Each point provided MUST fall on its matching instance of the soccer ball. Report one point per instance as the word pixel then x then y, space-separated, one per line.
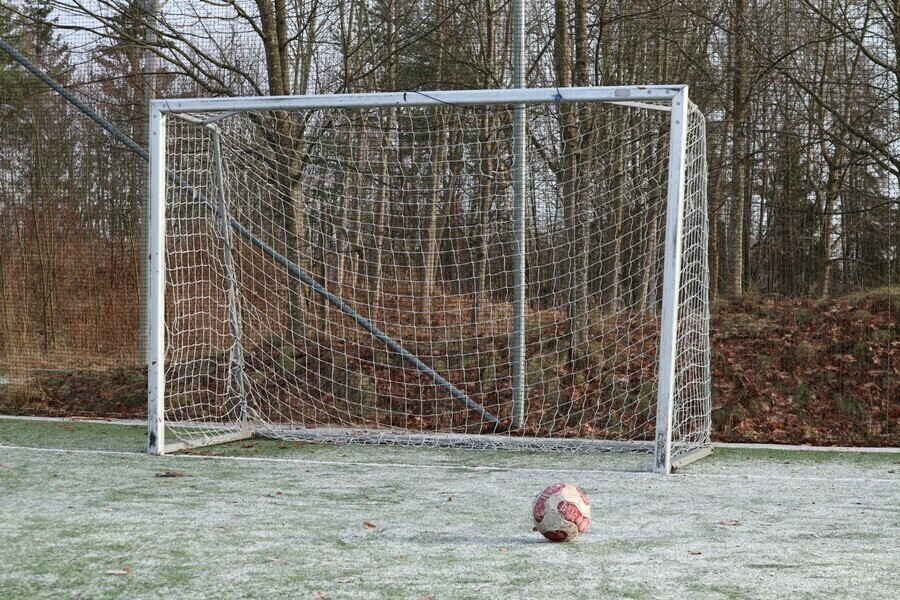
pixel 561 512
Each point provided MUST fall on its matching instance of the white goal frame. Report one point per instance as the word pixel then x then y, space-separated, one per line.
pixel 672 98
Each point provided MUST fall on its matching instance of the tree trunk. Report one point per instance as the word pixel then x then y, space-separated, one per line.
pixel 612 292
pixel 438 166
pixel 485 181
pixel 487 166
pixel 572 196
pixel 651 227
pixel 381 209
pixel 381 205
pixel 452 234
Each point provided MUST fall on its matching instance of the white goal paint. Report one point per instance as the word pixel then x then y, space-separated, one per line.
pixel 411 268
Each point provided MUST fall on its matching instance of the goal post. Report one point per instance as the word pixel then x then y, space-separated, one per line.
pixel 417 268
pixel 683 410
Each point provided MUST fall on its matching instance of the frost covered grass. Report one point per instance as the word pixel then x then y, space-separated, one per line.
pixel 267 519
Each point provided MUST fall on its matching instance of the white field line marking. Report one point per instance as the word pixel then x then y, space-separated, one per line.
pixel 338 463
pixel 329 463
pixel 98 421
pixel 807 448
pixel 730 445
pixel 791 478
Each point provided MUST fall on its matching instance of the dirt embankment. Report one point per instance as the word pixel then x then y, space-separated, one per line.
pixel 808 372
pixel 824 373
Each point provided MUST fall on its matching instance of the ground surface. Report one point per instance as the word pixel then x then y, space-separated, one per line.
pixel 86 514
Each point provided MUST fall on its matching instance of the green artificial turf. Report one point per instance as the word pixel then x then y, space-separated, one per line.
pixel 87 514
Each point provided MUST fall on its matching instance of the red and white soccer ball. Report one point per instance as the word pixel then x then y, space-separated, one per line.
pixel 561 512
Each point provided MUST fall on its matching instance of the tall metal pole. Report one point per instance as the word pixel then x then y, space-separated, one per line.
pixel 518 341
pixel 150 67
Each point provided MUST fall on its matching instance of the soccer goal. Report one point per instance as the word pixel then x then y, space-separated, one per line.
pixel 429 268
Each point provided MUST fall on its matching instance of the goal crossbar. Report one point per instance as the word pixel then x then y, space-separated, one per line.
pixel 611 94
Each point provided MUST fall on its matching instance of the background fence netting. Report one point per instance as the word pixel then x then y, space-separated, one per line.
pixel 70 247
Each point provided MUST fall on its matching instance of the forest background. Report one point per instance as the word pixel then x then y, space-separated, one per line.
pixel 802 99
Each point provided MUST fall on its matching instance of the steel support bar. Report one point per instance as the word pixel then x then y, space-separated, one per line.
pixel 692 456
pixel 150 66
pixel 210 440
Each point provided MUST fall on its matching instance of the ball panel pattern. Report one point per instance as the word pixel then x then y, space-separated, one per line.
pixel 571 513
pixel 556 536
pixel 540 503
pixel 583 497
pixel 561 512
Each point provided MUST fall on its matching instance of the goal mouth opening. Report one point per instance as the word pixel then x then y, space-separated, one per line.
pixel 428 268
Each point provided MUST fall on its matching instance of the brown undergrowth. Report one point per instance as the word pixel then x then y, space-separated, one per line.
pixel 808 372
pixel 822 373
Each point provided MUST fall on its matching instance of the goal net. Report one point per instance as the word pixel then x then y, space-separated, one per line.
pixel 414 268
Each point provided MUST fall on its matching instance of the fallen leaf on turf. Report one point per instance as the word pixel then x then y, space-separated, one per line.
pixel 730 523
pixel 369 524
pixel 172 474
pixel 124 571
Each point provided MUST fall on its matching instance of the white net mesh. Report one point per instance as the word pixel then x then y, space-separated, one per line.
pixel 371 253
